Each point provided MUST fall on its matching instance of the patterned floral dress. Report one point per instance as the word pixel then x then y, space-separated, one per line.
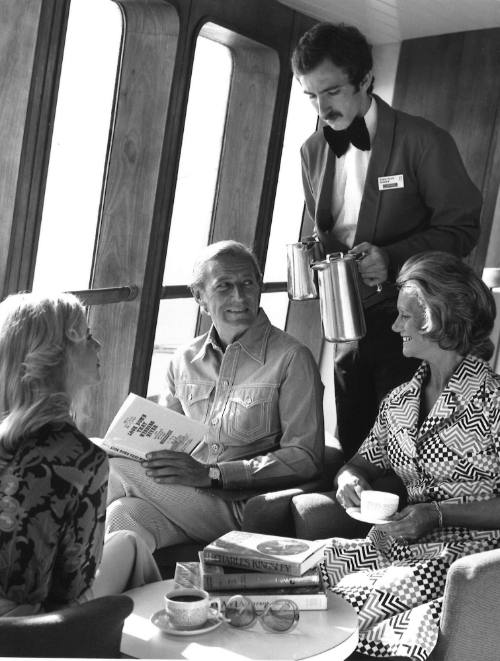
pixel 52 510
pixel 454 457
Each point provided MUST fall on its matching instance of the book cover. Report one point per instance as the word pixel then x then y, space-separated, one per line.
pixel 142 426
pixel 217 577
pixel 264 553
pixel 307 597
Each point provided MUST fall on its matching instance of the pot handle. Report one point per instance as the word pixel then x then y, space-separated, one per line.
pixel 358 256
pixel 319 266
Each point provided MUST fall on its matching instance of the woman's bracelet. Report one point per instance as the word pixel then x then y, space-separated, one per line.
pixel 439 511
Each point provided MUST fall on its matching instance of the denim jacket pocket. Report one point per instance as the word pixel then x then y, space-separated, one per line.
pixel 195 398
pixel 249 415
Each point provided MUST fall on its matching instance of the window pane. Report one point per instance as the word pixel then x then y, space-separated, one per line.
pixel 176 325
pixel 194 198
pixel 275 305
pixel 289 203
pixel 200 156
pixel 79 144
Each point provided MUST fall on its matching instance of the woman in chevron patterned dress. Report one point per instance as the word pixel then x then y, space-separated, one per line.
pixel 440 433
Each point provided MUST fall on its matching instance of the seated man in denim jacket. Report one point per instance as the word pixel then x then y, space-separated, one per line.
pixel 260 392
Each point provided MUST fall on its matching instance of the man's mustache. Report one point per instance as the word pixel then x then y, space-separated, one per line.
pixel 332 115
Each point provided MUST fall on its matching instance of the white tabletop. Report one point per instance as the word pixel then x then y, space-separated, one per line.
pixel 323 634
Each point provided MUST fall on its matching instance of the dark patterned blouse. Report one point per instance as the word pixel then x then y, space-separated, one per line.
pixel 52 511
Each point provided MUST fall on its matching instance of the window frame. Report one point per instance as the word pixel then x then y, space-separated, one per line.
pixel 141 169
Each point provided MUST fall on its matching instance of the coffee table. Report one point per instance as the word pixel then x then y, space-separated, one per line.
pixel 323 634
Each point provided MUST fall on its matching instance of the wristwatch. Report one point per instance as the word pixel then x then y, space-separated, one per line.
pixel 215 475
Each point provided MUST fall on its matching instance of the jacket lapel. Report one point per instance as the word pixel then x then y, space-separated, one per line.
pixel 405 410
pixel 379 163
pixel 462 387
pixel 324 220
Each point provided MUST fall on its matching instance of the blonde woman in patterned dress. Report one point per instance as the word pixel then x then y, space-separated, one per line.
pixel 53 479
pixel 440 433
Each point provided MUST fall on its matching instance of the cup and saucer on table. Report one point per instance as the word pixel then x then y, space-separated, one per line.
pixel 188 612
pixel 376 507
pixel 241 637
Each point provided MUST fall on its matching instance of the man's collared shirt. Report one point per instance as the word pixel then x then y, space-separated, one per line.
pixel 349 184
pixel 262 399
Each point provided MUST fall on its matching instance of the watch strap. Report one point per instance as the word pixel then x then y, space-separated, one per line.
pixel 215 476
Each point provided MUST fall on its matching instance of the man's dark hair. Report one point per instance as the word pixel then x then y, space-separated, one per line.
pixel 343 44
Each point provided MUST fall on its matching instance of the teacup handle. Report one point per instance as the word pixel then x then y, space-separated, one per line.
pixel 215 606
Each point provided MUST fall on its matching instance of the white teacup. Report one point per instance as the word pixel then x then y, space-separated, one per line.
pixel 189 608
pixel 378 504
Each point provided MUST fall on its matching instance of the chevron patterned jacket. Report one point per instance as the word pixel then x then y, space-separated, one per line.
pixel 454 455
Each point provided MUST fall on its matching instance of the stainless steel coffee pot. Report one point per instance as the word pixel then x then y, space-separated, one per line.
pixel 339 297
pixel 302 281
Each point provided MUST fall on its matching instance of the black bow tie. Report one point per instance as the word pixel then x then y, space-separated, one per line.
pixel 356 133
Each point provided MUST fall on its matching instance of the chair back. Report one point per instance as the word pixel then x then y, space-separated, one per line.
pixel 89 630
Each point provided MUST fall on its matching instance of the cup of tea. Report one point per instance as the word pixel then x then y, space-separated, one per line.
pixel 190 608
pixel 378 504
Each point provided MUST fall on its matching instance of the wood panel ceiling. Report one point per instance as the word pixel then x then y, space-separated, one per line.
pixel 392 21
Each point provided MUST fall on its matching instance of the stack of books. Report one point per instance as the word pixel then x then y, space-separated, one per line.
pixel 261 567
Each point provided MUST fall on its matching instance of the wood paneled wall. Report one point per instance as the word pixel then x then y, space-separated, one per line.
pixel 145 142
pixel 454 80
pixel 31 43
pixel 151 39
pixel 152 92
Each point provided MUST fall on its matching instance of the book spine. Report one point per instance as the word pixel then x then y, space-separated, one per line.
pixel 257 580
pixel 305 602
pixel 254 564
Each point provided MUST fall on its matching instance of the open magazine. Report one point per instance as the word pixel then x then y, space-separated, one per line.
pixel 142 426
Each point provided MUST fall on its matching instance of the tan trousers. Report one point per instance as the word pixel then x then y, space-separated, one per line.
pixel 165 514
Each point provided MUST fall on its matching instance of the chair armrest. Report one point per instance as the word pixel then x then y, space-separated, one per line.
pixel 270 513
pixel 469 620
pixel 319 515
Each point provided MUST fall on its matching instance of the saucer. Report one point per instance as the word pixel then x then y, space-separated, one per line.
pixel 355 513
pixel 160 619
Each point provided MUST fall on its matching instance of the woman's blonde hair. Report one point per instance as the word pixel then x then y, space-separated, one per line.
pixel 35 333
pixel 459 309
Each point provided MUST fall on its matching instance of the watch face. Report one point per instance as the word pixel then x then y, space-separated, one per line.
pixel 214 473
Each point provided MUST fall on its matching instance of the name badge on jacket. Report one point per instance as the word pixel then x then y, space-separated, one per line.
pixel 393 181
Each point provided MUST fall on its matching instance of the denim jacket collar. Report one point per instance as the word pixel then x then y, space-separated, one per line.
pixel 253 341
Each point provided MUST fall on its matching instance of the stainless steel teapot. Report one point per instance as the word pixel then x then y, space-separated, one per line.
pixel 302 282
pixel 341 308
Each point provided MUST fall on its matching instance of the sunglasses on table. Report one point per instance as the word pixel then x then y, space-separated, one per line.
pixel 278 616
